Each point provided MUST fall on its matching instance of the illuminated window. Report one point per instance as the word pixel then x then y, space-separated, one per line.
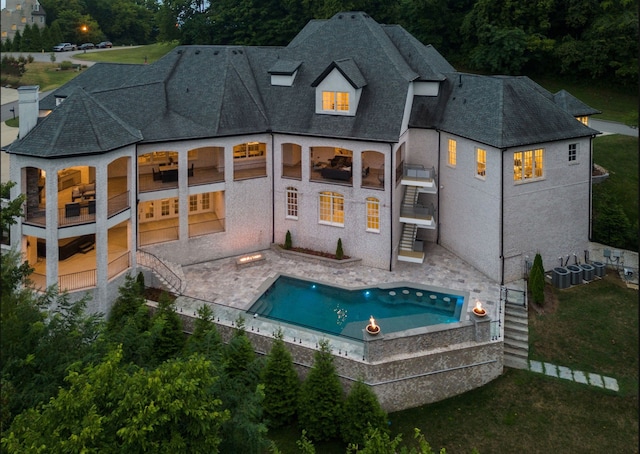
pixel 584 120
pixel 573 152
pixel 331 208
pixel 165 208
pixel 148 212
pixel 292 203
pixel 206 201
pixel 193 203
pixel 481 162
pixel 528 164
pixel 249 150
pixel 335 101
pixel 175 206
pixel 452 152
pixel 373 214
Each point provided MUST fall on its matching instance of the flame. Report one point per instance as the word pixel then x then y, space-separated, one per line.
pixel 478 309
pixel 372 323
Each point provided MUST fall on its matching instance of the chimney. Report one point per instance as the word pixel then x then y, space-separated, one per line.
pixel 29 106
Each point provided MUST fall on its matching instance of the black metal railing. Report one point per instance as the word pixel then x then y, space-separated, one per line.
pixel 155 264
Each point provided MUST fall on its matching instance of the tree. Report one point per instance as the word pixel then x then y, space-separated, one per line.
pixel 281 385
pixel 12 209
pixel 361 411
pixel 321 397
pixel 108 409
pixel 339 251
pixel 536 280
pixel 166 330
pixel 205 338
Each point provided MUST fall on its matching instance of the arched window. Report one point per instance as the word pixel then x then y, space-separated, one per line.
pixel 373 214
pixel 292 203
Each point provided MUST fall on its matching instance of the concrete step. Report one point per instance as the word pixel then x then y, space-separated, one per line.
pixel 514 345
pixel 517 327
pixel 516 339
pixel 516 362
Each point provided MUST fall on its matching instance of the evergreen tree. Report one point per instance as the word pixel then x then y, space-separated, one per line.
pixel 128 303
pixel 281 385
pixel 536 280
pixel 166 330
pixel 362 411
pixel 239 352
pixel 205 338
pixel 17 42
pixel 321 398
pixel 339 251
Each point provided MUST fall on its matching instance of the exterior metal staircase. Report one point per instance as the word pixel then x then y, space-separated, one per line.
pixel 516 329
pixel 169 274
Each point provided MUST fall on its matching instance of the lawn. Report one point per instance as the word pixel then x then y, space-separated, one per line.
pixel 619 155
pixel 594 329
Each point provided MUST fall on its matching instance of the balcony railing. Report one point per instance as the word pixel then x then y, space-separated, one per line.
pixel 81 280
pixel 159 235
pixel 205 227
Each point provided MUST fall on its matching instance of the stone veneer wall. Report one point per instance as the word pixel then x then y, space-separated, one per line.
pixel 405 369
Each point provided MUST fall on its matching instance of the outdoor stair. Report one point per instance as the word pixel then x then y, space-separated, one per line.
pixel 516 336
pixel 170 275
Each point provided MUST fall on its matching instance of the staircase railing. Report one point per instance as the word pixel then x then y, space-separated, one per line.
pixel 155 264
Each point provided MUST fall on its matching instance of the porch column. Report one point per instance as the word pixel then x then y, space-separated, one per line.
pixel 51 215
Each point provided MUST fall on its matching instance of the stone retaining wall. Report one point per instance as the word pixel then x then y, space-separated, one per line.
pixel 404 369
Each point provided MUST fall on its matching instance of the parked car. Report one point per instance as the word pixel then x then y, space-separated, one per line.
pixel 64 47
pixel 104 45
pixel 87 46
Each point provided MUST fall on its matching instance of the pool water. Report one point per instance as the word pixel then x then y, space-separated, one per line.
pixel 346 312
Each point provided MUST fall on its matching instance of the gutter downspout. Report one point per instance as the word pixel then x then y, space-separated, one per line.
pixel 273 189
pixel 502 152
pixel 590 214
pixel 390 207
pixel 438 189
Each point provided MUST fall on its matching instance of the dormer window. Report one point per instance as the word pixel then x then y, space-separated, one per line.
pixel 338 88
pixel 283 72
pixel 335 101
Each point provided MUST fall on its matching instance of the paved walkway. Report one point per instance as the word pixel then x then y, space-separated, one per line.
pixel 586 378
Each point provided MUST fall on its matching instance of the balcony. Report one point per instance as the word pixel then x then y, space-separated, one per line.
pixel 423 179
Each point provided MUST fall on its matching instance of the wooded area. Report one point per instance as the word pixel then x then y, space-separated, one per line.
pixel 585 39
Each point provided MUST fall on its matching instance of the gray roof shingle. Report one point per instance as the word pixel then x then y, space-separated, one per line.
pixel 215 91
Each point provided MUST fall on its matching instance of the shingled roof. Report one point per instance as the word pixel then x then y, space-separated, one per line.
pixel 215 91
pixel 69 130
pixel 499 111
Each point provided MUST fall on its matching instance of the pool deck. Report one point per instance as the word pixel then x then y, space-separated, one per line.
pixel 227 286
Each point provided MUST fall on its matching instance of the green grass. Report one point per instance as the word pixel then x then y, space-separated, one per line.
pixel 138 54
pixel 616 103
pixel 619 155
pixel 593 329
pixel 46 75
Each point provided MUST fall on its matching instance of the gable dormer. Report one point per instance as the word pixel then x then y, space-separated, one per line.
pixel 338 88
pixel 283 72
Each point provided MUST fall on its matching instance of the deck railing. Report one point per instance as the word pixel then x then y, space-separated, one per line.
pixel 159 235
pixel 85 214
pixel 80 280
pixel 148 260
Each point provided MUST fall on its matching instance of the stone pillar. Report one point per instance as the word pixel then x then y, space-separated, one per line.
pixel 482 327
pixel 373 346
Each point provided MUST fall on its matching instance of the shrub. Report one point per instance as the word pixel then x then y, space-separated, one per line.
pixel 536 280
pixel 66 65
pixel 321 401
pixel 339 251
pixel 287 240
pixel 140 281
pixel 362 412
pixel 281 385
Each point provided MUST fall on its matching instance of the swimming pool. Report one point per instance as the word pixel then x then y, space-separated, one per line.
pixel 345 312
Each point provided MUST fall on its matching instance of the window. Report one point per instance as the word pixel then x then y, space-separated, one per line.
pixel 481 162
pixel 573 152
pixel 584 120
pixel 373 214
pixel 452 152
pixel 331 208
pixel 193 203
pixel 206 201
pixel 292 203
pixel 335 101
pixel 528 164
pixel 165 208
pixel 148 212
pixel 176 204
pixel 249 150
